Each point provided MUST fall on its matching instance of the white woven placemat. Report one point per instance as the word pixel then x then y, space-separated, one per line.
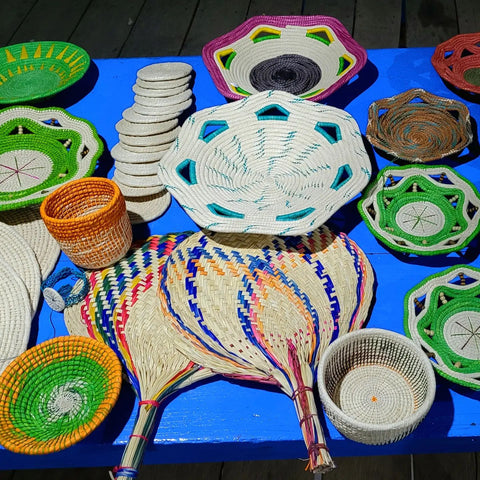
pixel 159 92
pixel 150 207
pixel 142 129
pixel 29 224
pixel 163 84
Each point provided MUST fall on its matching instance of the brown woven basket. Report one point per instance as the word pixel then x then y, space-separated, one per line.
pixel 89 220
pixel 417 126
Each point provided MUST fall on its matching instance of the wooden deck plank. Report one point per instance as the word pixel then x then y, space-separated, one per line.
pixel 105 27
pixel 213 19
pixel 11 17
pixel 445 466
pixel 265 470
pixel 275 7
pixel 468 14
pixel 430 22
pixel 160 29
pixel 343 11
pixel 378 24
pixel 63 18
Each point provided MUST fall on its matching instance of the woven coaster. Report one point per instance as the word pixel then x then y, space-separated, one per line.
pixel 57 393
pixel 270 163
pixel 149 140
pixel 15 315
pixel 164 84
pixel 424 209
pixel 141 191
pixel 16 252
pixel 37 70
pixel 136 169
pixel 137 180
pixel 163 101
pixel 126 156
pixel 164 71
pixel 457 61
pixel 147 149
pixel 308 56
pixel 143 129
pixel 41 149
pixel 147 208
pixel 159 93
pixel 417 126
pixel 174 110
pixel 131 115
pixel 442 316
pixel 29 224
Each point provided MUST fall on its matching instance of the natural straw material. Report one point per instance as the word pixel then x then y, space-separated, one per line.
pixel 36 70
pixel 309 56
pixel 422 209
pixel 376 386
pixel 417 126
pixel 457 61
pixel 442 316
pixel 56 393
pixel 89 220
pixel 243 309
pixel 270 163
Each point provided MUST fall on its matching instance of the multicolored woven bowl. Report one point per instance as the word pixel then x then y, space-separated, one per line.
pixel 37 70
pixel 308 56
pixel 56 393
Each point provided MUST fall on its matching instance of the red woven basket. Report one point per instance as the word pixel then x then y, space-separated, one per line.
pixel 89 220
pixel 457 61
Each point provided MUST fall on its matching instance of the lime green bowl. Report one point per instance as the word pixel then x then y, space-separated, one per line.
pixel 37 70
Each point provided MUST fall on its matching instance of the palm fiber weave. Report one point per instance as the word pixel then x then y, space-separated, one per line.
pixel 243 310
pixel 56 393
pixel 417 126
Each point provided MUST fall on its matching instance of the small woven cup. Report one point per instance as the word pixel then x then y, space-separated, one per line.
pixel 375 385
pixel 89 220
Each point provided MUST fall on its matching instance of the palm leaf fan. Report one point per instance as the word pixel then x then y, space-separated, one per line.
pixel 120 310
pixel 242 314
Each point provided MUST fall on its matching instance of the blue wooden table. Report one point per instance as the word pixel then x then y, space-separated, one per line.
pixel 226 420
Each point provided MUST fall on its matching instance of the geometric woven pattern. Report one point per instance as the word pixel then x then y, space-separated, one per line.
pixel 425 210
pixel 442 315
pixel 41 149
pixel 308 56
pixel 457 61
pixel 271 163
pixel 36 70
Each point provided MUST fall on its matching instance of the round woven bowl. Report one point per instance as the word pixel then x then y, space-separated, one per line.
pixel 56 393
pixel 376 386
pixel 89 220
pixel 417 126
pixel 457 61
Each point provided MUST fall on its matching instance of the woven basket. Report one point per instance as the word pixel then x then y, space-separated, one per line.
pixel 417 126
pixel 442 316
pixel 36 70
pixel 422 209
pixel 89 220
pixel 56 393
pixel 457 61
pixel 309 56
pixel 270 163
pixel 376 386
pixel 41 149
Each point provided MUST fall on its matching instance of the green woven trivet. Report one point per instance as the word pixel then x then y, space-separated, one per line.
pixel 41 149
pixel 36 70
pixel 442 315
pixel 422 209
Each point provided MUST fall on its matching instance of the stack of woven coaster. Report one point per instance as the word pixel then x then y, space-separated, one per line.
pixel 146 132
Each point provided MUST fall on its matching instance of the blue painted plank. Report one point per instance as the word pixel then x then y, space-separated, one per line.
pixel 226 420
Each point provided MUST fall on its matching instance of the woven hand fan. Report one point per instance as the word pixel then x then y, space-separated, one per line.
pixel 122 309
pixel 247 312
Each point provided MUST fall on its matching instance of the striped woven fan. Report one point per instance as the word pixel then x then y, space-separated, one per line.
pixel 122 310
pixel 265 307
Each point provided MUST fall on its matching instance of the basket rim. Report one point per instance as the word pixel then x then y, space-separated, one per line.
pixel 413 419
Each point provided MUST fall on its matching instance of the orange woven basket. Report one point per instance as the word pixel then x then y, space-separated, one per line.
pixel 88 218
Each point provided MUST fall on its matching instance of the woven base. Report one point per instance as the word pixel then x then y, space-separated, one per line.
pixel 150 207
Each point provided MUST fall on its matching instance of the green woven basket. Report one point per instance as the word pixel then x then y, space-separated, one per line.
pixel 37 70
pixel 54 394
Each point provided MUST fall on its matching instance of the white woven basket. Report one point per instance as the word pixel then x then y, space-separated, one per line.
pixel 375 385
